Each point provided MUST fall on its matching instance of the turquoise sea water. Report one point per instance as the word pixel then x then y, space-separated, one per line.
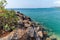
pixel 48 17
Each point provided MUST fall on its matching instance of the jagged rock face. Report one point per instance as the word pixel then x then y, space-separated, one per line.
pixel 18 34
pixel 22 34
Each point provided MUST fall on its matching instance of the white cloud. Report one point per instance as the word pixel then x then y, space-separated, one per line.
pixel 57 3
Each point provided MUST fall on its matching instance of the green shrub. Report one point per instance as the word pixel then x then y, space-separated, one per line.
pixel 8 18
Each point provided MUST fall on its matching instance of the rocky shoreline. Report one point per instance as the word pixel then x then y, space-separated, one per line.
pixel 26 29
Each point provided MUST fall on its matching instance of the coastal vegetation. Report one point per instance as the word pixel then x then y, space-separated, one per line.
pixel 8 18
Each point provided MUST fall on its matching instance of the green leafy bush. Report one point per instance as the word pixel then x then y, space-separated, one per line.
pixel 8 18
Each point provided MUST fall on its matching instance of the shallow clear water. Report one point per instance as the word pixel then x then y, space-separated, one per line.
pixel 48 17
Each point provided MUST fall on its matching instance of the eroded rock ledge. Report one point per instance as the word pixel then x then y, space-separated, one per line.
pixel 26 29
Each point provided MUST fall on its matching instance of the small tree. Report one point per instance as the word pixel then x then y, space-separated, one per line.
pixel 2 4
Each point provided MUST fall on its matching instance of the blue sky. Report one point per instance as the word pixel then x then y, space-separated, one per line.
pixel 32 3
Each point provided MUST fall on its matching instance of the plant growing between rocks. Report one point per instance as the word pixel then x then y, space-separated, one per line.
pixel 8 18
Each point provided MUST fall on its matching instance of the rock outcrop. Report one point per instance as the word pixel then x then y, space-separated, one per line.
pixel 26 29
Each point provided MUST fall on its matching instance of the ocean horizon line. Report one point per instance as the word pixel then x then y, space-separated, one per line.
pixel 31 8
